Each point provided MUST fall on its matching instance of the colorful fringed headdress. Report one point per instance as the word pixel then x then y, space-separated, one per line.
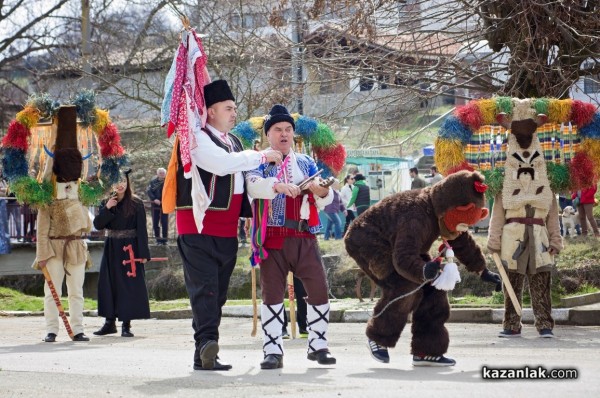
pixel 29 142
pixel 473 139
pixel 312 137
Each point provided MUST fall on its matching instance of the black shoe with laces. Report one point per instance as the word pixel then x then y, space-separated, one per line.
pixel 378 352
pixel 323 357
pixel 432 360
pixel 109 327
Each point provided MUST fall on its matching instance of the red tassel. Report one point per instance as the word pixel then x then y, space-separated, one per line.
pixel 470 115
pixel 313 218
pixel 16 136
pixel 582 113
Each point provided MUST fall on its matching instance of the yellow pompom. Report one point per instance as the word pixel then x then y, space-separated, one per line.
pixel 487 107
pixel 257 123
pixel 448 154
pixel 592 148
pixel 295 116
pixel 559 110
pixel 28 117
pixel 102 120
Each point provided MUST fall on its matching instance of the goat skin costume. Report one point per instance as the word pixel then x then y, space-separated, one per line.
pixel 391 242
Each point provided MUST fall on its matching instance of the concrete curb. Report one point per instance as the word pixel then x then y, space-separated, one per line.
pixel 587 315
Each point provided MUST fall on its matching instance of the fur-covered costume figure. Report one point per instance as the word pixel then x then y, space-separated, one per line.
pixel 524 226
pixel 60 228
pixel 391 243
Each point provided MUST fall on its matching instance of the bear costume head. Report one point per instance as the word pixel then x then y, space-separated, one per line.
pixel 459 201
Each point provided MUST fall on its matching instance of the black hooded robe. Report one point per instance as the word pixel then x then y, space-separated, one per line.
pixel 121 296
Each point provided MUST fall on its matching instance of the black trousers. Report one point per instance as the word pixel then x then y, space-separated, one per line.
pixel 160 219
pixel 208 263
pixel 349 218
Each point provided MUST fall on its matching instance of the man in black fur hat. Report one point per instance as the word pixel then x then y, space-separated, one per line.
pixel 60 228
pixel 209 205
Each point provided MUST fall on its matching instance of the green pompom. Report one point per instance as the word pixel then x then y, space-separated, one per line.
pixel 90 193
pixel 495 180
pixel 323 137
pixel 541 105
pixel 28 190
pixel 559 177
pixel 504 104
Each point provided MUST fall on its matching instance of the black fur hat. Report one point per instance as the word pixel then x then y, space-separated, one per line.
pixel 278 113
pixel 217 91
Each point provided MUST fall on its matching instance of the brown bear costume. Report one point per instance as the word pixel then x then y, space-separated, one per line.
pixel 391 242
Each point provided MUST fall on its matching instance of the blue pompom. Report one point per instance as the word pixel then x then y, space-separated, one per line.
pixel 110 169
pixel 14 164
pixel 326 170
pixel 46 105
pixel 245 133
pixel 591 130
pixel 85 101
pixel 453 129
pixel 306 127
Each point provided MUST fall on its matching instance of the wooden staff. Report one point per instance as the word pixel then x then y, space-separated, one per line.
pixel 290 282
pixel 254 304
pixel 507 285
pixel 61 310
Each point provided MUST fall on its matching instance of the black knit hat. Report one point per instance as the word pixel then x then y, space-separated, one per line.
pixel 217 91
pixel 278 113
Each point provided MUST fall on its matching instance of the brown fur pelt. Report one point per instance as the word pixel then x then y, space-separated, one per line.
pixel 391 243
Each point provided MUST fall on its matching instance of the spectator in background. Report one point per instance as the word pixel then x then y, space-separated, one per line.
pixel 585 207
pixel 14 211
pixel 417 182
pixel 159 219
pixel 346 195
pixel 435 176
pixel 332 210
pixel 361 195
pixel 4 240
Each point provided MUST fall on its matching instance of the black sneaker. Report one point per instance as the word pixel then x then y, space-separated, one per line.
pixel 378 352
pixel 546 334
pixel 509 333
pixel 432 360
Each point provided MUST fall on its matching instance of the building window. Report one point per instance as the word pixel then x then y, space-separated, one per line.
pixel 591 84
pixel 366 83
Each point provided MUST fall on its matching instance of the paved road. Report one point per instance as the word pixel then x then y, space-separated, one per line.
pixel 157 362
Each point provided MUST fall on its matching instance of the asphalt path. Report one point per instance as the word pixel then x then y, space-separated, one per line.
pixel 158 362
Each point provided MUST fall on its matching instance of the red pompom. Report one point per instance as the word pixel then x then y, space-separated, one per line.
pixel 470 115
pixel 333 157
pixel 582 113
pixel 462 166
pixel 110 142
pixel 581 170
pixel 480 187
pixel 16 136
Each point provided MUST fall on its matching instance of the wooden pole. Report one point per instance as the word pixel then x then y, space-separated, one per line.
pixel 254 304
pixel 61 310
pixel 290 281
pixel 507 285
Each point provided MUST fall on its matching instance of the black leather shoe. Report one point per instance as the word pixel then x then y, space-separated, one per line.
pixel 218 365
pixel 323 357
pixel 272 361
pixel 109 327
pixel 208 354
pixel 80 337
pixel 126 329
pixel 50 338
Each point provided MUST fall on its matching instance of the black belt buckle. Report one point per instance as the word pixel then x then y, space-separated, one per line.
pixel 302 226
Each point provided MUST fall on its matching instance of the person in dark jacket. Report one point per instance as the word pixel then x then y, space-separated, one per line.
pixel 159 219
pixel 122 292
pixel 361 195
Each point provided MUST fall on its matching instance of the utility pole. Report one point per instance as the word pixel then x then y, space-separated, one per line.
pixel 297 55
pixel 86 38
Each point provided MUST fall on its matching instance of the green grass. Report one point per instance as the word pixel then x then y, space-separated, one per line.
pixel 585 288
pixel 13 300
